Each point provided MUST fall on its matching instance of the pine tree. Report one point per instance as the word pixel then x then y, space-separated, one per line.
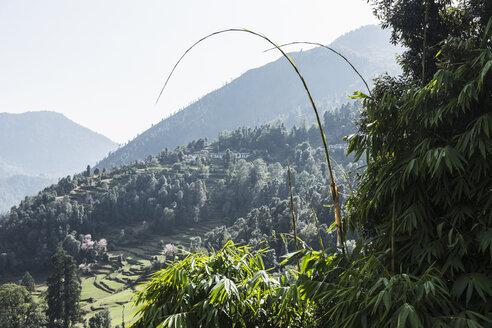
pixel 63 291
pixel 55 289
pixel 71 290
pixel 28 282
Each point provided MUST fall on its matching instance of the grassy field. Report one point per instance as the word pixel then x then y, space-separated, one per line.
pixel 108 287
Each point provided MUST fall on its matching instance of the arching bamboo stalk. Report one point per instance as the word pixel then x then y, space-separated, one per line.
pixel 333 187
pixel 393 236
pixel 317 225
pixel 293 214
pixel 332 50
pixel 424 46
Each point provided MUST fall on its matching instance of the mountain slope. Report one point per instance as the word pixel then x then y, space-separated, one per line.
pixel 38 147
pixel 49 143
pixel 271 92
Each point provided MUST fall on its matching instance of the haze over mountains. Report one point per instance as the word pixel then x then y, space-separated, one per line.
pixel 270 93
pixel 36 148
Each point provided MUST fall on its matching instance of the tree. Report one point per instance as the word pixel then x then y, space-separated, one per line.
pixel 430 158
pixel 422 26
pixel 63 293
pixel 71 291
pixel 28 282
pixel 102 319
pixel 423 202
pixel 72 245
pixel 18 309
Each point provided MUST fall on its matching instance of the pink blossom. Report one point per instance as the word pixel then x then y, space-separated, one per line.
pixel 102 244
pixel 88 243
pixel 84 267
pixel 170 250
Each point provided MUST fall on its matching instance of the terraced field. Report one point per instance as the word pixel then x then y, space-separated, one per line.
pixel 113 285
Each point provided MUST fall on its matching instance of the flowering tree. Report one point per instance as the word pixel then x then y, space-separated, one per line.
pixel 170 251
pixel 92 250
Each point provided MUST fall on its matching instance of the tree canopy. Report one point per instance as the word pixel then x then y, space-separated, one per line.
pixel 18 309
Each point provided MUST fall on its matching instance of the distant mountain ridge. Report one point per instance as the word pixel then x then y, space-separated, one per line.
pixel 15 188
pixel 271 92
pixel 48 143
pixel 36 148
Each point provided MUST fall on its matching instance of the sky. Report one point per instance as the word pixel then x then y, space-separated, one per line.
pixel 102 63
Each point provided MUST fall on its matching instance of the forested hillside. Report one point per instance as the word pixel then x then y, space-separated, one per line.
pixel 242 175
pixel 271 92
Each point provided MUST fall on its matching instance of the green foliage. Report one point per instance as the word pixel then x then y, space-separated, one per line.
pixel 265 226
pixel 18 309
pixel 63 293
pixel 28 282
pixel 423 206
pixel 229 288
pixel 360 291
pixel 413 21
pixel 102 319
pixel 424 200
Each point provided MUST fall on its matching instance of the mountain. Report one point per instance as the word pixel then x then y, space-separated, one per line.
pixel 38 147
pixel 49 143
pixel 272 92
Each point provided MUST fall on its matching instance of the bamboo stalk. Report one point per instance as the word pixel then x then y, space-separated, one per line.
pixel 293 215
pixel 333 186
pixel 426 18
pixel 332 50
pixel 317 225
pixel 393 237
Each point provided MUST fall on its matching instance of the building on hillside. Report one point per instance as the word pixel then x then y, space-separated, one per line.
pixel 220 155
pixel 337 146
pixel 216 155
pixel 190 158
pixel 242 155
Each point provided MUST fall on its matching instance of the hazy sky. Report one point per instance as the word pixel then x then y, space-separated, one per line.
pixel 103 62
